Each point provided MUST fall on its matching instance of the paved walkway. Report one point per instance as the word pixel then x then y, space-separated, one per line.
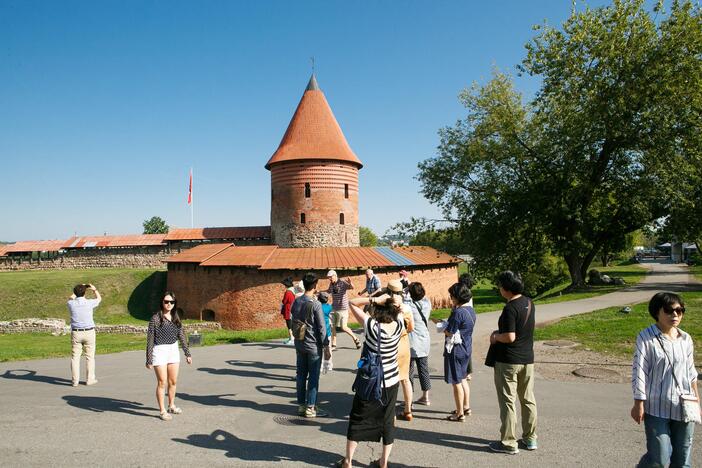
pixel 238 403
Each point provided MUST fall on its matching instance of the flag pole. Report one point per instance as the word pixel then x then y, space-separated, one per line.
pixel 191 199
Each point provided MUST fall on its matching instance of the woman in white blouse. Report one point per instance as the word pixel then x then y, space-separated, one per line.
pixel 663 369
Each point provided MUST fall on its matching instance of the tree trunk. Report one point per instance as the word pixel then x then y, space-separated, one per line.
pixel 575 263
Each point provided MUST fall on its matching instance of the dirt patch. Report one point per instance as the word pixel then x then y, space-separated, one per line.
pixel 559 362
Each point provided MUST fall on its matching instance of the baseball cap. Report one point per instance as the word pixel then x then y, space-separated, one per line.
pixel 331 273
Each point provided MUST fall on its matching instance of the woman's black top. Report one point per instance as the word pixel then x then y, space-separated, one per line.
pixel 161 334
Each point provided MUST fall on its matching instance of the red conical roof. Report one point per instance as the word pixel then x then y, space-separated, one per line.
pixel 313 132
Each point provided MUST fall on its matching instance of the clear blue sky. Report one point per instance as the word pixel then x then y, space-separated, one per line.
pixel 104 106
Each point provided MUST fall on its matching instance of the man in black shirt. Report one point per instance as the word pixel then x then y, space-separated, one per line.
pixel 513 348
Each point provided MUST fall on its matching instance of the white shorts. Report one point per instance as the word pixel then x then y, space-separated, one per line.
pixel 166 354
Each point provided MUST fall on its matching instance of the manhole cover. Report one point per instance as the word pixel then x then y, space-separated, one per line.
pixel 288 420
pixel 561 343
pixel 596 373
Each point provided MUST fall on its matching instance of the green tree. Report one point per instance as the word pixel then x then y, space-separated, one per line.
pixel 155 225
pixel 367 237
pixel 607 145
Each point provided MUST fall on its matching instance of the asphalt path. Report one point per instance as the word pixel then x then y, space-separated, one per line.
pixel 239 409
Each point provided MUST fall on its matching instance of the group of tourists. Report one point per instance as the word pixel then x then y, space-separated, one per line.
pixel 396 347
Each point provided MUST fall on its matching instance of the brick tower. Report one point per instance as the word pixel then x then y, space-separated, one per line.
pixel 314 179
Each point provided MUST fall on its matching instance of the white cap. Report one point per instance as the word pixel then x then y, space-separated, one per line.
pixel 331 273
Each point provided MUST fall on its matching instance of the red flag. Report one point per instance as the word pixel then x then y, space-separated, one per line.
pixel 190 189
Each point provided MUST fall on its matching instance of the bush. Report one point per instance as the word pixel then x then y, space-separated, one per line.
pixel 547 274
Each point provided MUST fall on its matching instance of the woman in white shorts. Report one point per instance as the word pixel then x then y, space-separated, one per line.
pixel 165 330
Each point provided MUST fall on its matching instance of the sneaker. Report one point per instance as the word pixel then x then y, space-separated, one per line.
pixel 315 412
pixel 289 341
pixel 92 382
pixel 320 412
pixel 74 384
pixel 301 409
pixel 529 444
pixel 502 448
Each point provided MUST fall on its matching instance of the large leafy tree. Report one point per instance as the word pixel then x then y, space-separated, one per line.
pixel 155 225
pixel 367 237
pixel 607 145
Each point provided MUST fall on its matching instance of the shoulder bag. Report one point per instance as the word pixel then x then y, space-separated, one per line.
pixel 299 327
pixel 689 402
pixel 490 357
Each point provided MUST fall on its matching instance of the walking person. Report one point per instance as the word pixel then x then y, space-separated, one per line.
pixel 420 341
pixel 287 302
pixel 512 348
pixel 664 370
pixel 458 349
pixel 375 420
pixel 83 332
pixel 311 342
pixel 164 333
pixel 372 284
pixel 340 305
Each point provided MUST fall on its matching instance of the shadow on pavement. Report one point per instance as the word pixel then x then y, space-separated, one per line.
pixel 247 373
pixel 26 374
pixel 260 365
pixel 252 450
pixel 101 405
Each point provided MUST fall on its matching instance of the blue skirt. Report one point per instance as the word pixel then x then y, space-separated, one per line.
pixel 456 367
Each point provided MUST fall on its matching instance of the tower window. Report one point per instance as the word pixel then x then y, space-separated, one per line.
pixel 341 218
pixel 302 218
pixel 308 192
pixel 346 191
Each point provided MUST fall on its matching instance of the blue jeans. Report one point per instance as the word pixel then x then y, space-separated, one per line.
pixel 667 440
pixel 308 367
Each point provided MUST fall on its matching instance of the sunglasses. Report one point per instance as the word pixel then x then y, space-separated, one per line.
pixel 169 302
pixel 677 310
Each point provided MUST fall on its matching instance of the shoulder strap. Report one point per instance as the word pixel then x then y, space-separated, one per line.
pixel 377 348
pixel 418 305
pixel 672 366
pixel 528 312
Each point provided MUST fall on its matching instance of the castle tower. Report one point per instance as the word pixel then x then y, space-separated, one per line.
pixel 314 179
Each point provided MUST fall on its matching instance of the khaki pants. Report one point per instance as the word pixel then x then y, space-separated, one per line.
pixel 512 381
pixel 83 342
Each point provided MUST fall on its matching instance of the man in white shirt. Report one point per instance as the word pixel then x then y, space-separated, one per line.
pixel 83 332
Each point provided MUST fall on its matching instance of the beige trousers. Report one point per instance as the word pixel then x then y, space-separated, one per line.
pixel 514 381
pixel 83 342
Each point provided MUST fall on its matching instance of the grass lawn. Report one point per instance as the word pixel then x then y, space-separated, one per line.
pixel 609 331
pixel 697 271
pixel 487 299
pixel 129 295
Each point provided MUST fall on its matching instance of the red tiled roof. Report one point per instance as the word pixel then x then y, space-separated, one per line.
pixel 272 257
pixel 241 256
pixel 136 240
pixel 243 232
pixel 313 133
pixel 3 250
pixel 35 246
pixel 198 254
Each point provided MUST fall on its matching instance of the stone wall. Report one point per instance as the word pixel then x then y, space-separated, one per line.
pixel 319 234
pixel 98 258
pixel 59 327
pixel 249 298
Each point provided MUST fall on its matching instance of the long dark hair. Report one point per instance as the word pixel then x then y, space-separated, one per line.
pixel 174 312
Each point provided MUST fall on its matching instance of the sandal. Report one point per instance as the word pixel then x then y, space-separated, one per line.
pixel 452 417
pixel 175 410
pixel 465 412
pixel 422 401
pixel 340 463
pixel 165 416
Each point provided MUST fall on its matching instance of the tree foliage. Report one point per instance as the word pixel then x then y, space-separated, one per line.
pixel 367 237
pixel 608 144
pixel 155 225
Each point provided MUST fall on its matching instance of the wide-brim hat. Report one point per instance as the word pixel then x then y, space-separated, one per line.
pixel 395 286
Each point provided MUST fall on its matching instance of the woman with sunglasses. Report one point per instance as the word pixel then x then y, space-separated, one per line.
pixel 165 330
pixel 664 369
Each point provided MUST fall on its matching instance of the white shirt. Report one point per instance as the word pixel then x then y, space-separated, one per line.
pixel 651 376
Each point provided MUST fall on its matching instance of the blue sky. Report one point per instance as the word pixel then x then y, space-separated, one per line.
pixel 104 106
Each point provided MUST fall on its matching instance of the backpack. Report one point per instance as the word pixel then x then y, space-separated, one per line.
pixel 299 327
pixel 370 381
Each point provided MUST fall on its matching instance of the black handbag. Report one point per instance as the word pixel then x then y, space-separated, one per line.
pixel 492 350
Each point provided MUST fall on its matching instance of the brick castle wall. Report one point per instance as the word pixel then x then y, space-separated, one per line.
pixel 333 190
pixel 247 298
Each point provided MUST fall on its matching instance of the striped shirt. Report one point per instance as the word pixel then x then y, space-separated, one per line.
pixel 340 299
pixel 389 344
pixel 651 377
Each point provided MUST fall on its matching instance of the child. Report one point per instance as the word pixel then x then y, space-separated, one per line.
pixel 324 299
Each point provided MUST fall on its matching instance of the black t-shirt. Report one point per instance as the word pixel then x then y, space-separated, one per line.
pixel 514 319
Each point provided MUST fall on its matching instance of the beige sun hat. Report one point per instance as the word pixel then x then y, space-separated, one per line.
pixel 395 285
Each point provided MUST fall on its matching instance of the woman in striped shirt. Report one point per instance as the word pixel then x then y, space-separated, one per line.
pixel 663 368
pixel 373 420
